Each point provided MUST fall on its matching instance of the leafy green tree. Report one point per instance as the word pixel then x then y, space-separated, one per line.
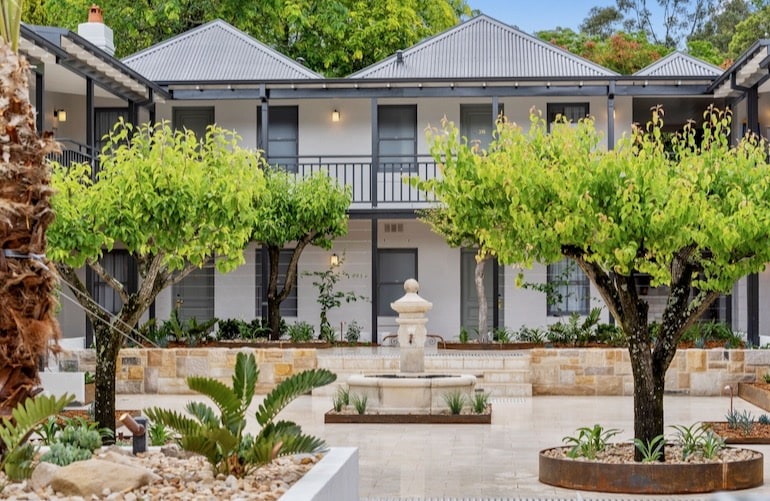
pixel 303 211
pixel 693 217
pixel 173 201
pixel 705 50
pixel 748 31
pixel 335 37
pixel 719 28
pixel 622 52
pixel 679 19
pixel 601 22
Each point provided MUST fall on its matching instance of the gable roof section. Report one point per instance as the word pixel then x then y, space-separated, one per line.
pixel 678 64
pixel 215 52
pixel 483 47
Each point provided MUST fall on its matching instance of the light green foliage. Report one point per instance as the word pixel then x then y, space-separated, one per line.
pixel 26 419
pixel 305 210
pixel 589 441
pixel 691 211
pixel 748 31
pixel 455 400
pixel 335 37
pixel 172 200
pixel 159 435
pixel 221 438
pixel 301 332
pixel 576 331
pixel 463 337
pixel 479 401
pixel 360 402
pixel 63 454
pixel 651 451
pixel 711 445
pixel 690 438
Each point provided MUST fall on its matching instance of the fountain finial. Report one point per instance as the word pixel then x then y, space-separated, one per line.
pixel 411 285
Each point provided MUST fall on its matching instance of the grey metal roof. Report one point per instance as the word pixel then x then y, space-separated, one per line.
pixel 678 64
pixel 483 47
pixel 215 52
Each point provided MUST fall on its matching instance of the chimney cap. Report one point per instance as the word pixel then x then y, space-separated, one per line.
pixel 95 14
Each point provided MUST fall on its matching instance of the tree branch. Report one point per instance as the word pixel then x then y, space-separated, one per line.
pixel 113 282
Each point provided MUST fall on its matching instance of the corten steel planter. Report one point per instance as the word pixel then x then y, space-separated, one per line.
pixel 650 478
pixel 335 418
pixel 754 394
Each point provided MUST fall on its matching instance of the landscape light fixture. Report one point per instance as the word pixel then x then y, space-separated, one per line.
pixel 334 260
pixel 335 116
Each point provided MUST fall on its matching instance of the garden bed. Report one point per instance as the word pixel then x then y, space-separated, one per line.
pixel 755 393
pixel 759 434
pixel 735 469
pixel 347 417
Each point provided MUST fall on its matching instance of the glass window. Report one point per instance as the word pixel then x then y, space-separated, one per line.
pixel 289 305
pixel 120 265
pixel 573 112
pixel 282 136
pixel 395 267
pixel 570 289
pixel 194 295
pixel 397 137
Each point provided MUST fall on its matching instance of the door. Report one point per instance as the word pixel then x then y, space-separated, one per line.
pixel 105 120
pixel 469 308
pixel 477 123
pixel 194 119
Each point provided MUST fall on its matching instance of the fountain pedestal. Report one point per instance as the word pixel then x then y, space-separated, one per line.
pixel 412 390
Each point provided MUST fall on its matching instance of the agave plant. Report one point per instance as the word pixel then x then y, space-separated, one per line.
pixel 27 318
pixel 222 440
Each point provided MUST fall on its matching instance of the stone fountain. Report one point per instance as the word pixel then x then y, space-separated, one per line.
pixel 412 390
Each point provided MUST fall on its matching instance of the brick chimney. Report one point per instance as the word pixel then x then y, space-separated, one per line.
pixel 96 32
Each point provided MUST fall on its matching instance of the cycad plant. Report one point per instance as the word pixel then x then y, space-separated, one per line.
pixel 221 438
pixel 27 320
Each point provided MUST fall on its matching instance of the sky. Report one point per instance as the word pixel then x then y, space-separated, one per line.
pixel 531 16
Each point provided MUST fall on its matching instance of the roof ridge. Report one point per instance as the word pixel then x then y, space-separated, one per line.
pixel 678 54
pixel 506 29
pixel 232 31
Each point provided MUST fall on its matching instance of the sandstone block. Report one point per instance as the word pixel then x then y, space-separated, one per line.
pixel 92 477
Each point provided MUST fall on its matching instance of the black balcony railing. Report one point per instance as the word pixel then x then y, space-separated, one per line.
pixel 72 152
pixel 381 182
pixel 386 185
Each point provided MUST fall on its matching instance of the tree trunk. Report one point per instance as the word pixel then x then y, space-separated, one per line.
pixel 273 304
pixel 478 278
pixel 648 395
pixel 27 315
pixel 107 343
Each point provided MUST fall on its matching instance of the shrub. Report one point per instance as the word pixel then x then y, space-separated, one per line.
pixel 301 332
pixel 222 440
pixel 353 333
pixel 455 400
pixel 360 402
pixel 464 336
pixel 479 402
pixel 589 441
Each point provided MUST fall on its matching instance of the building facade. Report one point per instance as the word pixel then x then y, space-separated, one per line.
pixel 368 131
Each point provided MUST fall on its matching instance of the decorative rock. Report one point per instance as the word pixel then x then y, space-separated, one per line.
pixel 42 475
pixel 89 478
pixel 174 451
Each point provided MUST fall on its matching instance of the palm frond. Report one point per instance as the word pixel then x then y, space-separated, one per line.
pixel 183 425
pixel 222 395
pixel 10 22
pixel 245 377
pixel 289 389
pixel 28 416
pixel 203 413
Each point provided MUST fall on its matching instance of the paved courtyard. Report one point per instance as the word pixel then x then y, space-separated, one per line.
pixel 484 462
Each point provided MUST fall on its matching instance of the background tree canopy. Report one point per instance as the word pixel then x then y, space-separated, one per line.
pixel 335 37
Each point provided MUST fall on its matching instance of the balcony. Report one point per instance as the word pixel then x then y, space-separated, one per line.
pixel 381 182
pixel 385 187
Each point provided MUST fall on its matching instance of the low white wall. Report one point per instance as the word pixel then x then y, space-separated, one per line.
pixel 334 478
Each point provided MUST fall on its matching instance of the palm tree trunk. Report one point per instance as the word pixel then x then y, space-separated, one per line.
pixel 27 280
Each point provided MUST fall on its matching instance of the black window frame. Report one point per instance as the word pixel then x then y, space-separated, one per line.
pixel 578 285
pixel 383 303
pixel 556 109
pixel 409 165
pixel 275 115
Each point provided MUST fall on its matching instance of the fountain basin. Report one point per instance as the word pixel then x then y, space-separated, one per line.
pixel 417 393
